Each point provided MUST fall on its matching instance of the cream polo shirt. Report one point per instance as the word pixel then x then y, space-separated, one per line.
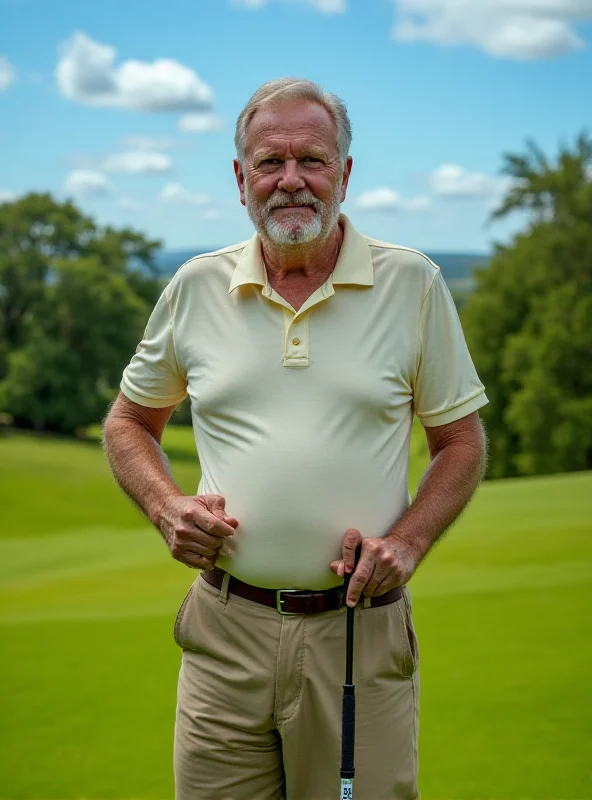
pixel 302 419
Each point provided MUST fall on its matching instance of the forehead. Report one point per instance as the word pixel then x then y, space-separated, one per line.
pixel 302 121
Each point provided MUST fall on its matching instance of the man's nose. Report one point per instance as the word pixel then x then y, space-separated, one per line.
pixel 291 179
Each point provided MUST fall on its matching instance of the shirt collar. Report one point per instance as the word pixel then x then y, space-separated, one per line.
pixel 354 263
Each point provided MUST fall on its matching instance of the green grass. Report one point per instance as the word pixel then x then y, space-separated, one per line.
pixel 88 595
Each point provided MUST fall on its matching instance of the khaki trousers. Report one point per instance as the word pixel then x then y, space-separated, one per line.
pixel 259 701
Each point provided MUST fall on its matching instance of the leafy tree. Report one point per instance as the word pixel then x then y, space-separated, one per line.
pixel 33 231
pixel 73 302
pixel 552 192
pixel 529 321
pixel 65 374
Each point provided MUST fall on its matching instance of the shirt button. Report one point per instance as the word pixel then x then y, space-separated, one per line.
pixel 296 342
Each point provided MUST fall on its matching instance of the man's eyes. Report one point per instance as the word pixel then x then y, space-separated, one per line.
pixel 275 161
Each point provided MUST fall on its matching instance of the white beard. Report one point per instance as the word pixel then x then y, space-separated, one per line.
pixel 293 229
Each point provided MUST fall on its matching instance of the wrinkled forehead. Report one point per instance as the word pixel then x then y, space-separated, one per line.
pixel 300 122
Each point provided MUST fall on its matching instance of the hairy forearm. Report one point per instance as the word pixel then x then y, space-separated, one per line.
pixel 140 466
pixel 445 489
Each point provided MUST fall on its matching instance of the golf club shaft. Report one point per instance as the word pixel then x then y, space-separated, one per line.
pixel 349 644
pixel 348 713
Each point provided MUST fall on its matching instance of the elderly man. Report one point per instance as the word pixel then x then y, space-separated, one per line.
pixel 306 351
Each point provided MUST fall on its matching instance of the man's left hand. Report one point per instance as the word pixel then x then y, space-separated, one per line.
pixel 383 565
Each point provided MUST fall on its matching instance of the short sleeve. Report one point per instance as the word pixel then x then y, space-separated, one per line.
pixel 446 386
pixel 153 378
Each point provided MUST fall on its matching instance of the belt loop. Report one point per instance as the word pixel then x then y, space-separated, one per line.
pixel 223 596
pixel 367 601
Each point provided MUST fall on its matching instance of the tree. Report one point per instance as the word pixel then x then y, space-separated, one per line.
pixel 33 231
pixel 552 192
pixel 74 299
pixel 529 321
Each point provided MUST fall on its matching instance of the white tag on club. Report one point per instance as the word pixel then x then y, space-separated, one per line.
pixel 347 789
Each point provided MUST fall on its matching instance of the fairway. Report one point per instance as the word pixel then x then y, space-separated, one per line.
pixel 88 596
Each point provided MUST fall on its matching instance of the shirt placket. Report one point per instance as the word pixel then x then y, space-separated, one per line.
pixel 296 338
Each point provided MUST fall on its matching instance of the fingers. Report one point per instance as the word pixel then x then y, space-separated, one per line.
pixel 381 567
pixel 195 528
pixel 349 544
pixel 192 558
pixel 189 538
pixel 216 504
pixel 188 544
pixel 377 579
pixel 202 516
pixel 351 540
pixel 381 588
pixel 194 547
pixel 384 563
pixel 360 578
pixel 198 562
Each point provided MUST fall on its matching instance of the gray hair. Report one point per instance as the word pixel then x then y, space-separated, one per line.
pixel 294 89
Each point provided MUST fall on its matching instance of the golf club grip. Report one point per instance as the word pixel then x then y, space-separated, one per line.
pixel 348 730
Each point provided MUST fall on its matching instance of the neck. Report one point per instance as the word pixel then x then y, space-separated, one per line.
pixel 295 263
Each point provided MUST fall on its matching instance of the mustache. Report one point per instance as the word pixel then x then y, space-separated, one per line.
pixel 300 199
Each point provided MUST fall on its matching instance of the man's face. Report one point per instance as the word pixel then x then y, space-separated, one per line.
pixel 292 181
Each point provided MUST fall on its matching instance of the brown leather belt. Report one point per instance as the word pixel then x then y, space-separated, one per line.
pixel 293 601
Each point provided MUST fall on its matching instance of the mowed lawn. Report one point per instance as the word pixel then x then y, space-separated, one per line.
pixel 88 667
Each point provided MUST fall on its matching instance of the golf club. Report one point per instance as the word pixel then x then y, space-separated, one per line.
pixel 348 712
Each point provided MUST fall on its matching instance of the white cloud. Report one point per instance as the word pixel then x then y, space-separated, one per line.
pixel 7 73
pixel 385 199
pixel 200 123
pixel 138 162
pixel 87 183
pixel 6 196
pixel 148 142
pixel 86 73
pixel 324 6
pixel 452 180
pixel 175 193
pixel 519 29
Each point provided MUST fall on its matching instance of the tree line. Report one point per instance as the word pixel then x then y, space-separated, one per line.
pixel 75 297
pixel 528 322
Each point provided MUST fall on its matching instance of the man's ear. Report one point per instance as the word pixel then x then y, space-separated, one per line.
pixel 240 179
pixel 346 173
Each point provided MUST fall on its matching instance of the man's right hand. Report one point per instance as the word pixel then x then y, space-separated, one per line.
pixel 195 528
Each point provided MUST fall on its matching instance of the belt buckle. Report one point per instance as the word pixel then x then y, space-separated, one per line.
pixel 280 600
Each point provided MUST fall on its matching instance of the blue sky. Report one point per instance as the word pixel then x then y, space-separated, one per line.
pixel 104 102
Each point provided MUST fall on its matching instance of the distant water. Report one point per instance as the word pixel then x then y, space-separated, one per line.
pixel 456 267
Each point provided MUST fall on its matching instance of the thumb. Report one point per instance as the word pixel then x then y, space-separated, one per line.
pixel 351 540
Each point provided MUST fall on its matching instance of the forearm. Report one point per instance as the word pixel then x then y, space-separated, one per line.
pixel 445 489
pixel 140 466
